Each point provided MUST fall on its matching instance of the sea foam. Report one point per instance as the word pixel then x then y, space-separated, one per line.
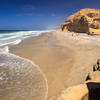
pixel 13 38
pixel 20 79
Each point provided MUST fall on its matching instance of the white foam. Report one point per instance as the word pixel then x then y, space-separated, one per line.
pixel 4 49
pixel 16 37
pixel 21 79
pixel 11 43
pixel 17 41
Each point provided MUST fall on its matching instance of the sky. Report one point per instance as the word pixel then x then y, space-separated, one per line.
pixel 39 14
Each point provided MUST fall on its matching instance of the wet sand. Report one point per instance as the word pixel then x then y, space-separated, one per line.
pixel 65 58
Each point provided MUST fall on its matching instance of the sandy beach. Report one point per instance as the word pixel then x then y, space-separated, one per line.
pixel 65 58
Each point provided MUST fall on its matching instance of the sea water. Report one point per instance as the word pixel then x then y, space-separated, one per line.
pixel 20 79
pixel 15 37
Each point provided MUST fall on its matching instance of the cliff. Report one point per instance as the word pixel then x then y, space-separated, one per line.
pixel 85 21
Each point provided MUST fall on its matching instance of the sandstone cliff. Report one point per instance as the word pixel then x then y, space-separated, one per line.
pixel 86 20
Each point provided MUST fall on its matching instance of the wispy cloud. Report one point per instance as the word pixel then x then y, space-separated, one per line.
pixel 40 15
pixel 28 7
pixel 31 14
pixel 37 15
pixel 28 14
pixel 25 14
pixel 53 26
pixel 53 15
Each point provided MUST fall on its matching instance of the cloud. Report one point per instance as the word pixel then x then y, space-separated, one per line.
pixel 28 7
pixel 30 14
pixel 53 15
pixel 25 14
pixel 40 15
pixel 53 26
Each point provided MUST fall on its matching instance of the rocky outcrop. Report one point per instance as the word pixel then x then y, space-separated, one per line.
pixel 89 90
pixel 85 20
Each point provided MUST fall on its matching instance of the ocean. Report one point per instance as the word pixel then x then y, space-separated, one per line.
pixel 12 37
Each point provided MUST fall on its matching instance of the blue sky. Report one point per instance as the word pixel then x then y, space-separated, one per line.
pixel 39 14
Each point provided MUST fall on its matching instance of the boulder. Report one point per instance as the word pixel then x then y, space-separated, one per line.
pixel 74 93
pixel 89 90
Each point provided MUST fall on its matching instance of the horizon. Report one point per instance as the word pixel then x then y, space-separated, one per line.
pixel 39 15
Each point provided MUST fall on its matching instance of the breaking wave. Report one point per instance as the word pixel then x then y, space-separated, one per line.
pixel 15 37
pixel 21 79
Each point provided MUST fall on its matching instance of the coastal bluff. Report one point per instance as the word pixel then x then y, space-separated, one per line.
pixel 84 21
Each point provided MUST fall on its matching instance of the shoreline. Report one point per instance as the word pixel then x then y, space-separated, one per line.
pixel 25 41
pixel 57 54
pixel 16 38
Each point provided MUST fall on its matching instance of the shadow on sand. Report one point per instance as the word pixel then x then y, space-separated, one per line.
pixel 94 91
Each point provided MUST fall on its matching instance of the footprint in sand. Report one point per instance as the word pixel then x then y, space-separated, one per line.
pixel 20 79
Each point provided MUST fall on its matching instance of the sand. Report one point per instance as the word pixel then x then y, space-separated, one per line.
pixel 65 58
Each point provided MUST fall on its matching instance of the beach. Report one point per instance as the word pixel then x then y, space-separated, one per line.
pixel 65 58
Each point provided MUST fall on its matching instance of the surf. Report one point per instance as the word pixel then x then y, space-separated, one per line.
pixel 16 37
pixel 20 78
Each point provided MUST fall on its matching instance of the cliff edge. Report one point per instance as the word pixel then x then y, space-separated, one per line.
pixel 84 21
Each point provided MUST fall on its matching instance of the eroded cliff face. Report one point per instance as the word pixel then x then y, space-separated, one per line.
pixel 86 20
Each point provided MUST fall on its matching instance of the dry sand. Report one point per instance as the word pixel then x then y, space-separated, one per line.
pixel 65 58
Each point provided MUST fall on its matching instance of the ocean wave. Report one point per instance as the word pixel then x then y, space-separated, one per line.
pixel 16 37
pixel 20 78
pixel 11 43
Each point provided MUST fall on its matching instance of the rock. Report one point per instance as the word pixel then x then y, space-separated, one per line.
pixel 96 67
pixel 89 90
pixel 73 93
pixel 94 76
pixel 86 20
pixel 86 91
